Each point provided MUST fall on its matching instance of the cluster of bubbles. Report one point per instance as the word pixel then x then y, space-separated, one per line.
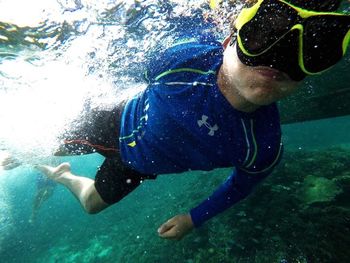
pixel 57 56
pixel 6 219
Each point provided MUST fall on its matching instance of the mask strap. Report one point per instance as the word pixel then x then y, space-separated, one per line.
pixel 233 38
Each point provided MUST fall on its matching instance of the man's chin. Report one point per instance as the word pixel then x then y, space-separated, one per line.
pixel 262 99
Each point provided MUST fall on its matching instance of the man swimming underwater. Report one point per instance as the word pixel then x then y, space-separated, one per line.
pixel 208 105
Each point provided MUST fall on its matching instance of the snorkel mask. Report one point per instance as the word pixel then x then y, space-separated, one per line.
pixel 296 41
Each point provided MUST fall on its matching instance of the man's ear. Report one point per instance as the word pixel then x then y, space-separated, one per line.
pixel 226 42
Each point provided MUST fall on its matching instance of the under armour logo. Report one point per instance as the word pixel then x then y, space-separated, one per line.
pixel 203 121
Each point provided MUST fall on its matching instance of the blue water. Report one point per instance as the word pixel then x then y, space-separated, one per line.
pixel 95 52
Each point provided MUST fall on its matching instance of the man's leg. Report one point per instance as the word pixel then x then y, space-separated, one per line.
pixel 96 131
pixel 83 188
pixel 114 180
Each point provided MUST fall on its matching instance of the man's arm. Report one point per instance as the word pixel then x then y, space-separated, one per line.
pixel 236 187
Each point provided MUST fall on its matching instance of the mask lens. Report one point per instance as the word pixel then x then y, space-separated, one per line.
pixel 323 40
pixel 271 22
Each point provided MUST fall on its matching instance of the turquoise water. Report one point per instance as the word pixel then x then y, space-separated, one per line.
pixel 94 52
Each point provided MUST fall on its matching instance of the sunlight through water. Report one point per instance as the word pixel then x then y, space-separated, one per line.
pixel 58 56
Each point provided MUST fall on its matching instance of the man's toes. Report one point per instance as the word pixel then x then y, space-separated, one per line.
pixel 63 167
pixel 44 169
pixel 53 171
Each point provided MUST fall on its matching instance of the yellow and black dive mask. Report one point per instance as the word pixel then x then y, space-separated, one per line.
pixel 296 41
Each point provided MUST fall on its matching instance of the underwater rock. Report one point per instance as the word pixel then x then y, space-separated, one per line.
pixel 343 179
pixel 318 189
pixel 211 250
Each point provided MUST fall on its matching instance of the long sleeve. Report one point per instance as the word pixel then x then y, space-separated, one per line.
pixel 235 188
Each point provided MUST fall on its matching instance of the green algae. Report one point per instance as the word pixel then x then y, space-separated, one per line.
pixel 318 189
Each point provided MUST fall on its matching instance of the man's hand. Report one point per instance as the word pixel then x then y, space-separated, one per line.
pixel 176 227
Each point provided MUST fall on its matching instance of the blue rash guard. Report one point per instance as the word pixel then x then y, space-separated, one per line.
pixel 182 122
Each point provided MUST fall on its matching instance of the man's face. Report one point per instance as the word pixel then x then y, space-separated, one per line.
pixel 259 85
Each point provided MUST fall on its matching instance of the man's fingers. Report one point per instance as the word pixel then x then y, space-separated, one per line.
pixel 169 233
pixel 169 229
pixel 165 227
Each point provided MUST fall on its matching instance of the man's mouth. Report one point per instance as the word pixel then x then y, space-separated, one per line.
pixel 271 73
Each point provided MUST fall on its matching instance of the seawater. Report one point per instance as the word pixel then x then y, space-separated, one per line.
pixel 58 56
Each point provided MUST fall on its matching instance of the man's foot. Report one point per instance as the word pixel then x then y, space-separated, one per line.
pixel 7 162
pixel 54 173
